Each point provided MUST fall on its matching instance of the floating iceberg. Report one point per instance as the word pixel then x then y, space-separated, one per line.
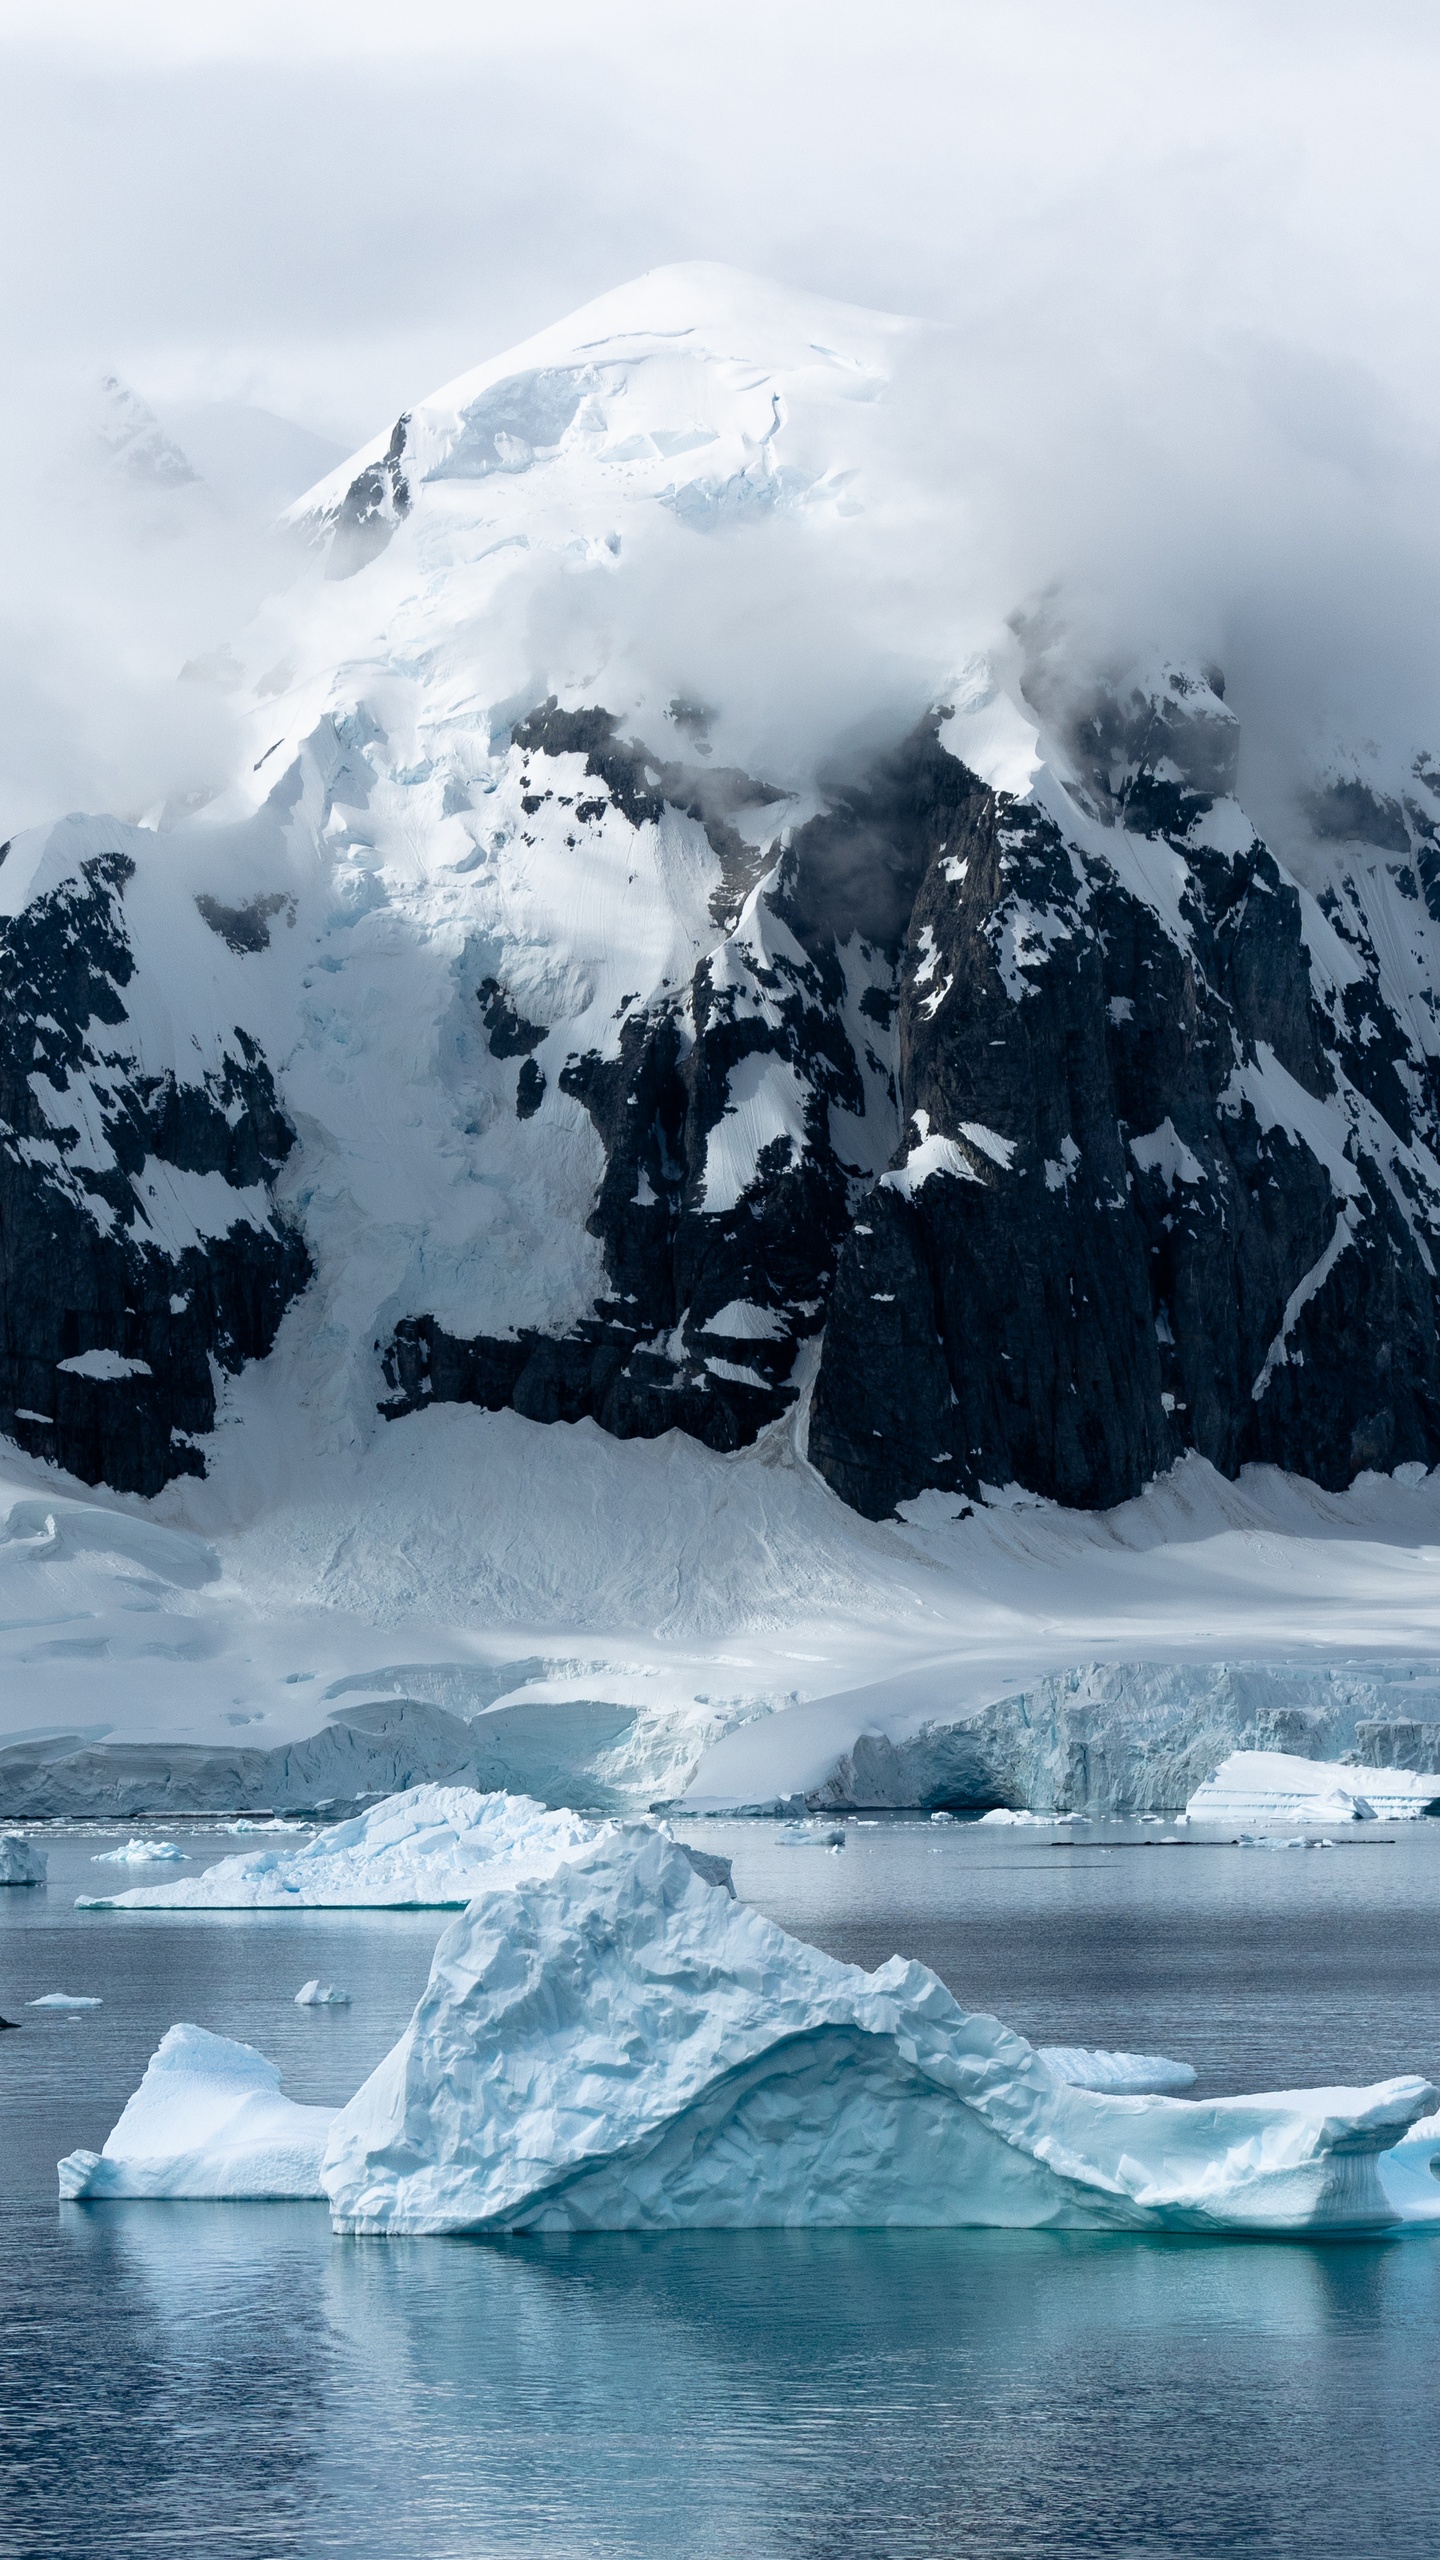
pixel 65 2000
pixel 208 2120
pixel 431 1847
pixel 321 1995
pixel 141 1853
pixel 1278 1786
pixel 21 1862
pixel 616 2046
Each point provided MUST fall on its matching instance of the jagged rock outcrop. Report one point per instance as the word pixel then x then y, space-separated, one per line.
pixel 139 1242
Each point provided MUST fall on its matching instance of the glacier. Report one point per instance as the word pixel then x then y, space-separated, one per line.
pixel 1277 1786
pixel 431 1847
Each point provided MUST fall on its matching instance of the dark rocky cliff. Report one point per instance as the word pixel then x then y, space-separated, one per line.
pixel 1152 1181
pixel 113 1306
pixel 1075 1131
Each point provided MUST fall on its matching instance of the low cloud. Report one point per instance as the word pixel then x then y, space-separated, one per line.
pixel 1180 375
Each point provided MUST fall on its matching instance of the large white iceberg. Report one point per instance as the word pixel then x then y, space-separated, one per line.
pixel 1278 1786
pixel 21 1862
pixel 617 2046
pixel 430 1847
pixel 208 2120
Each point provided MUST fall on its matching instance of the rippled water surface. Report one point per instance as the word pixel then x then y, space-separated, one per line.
pixel 194 2379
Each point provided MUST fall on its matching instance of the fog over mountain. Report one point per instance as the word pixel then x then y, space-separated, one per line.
pixel 1175 267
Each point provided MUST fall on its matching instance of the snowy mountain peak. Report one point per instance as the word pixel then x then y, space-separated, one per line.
pixel 134 441
pixel 685 362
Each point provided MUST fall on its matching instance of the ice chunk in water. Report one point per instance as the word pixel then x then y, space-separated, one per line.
pixel 432 1846
pixel 1278 1786
pixel 209 2119
pixel 21 1861
pixel 141 1853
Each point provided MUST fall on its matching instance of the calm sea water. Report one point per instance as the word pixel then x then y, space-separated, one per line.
pixel 229 2380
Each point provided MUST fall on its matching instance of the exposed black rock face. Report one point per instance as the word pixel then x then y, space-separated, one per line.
pixel 644 785
pixel 1129 1244
pixel 246 928
pixel 112 1304
pixel 509 1037
pixel 375 502
pixel 1147 1180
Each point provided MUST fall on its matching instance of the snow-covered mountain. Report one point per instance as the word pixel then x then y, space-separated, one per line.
pixel 523 1028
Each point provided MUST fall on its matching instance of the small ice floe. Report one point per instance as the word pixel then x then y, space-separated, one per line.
pixel 1042 1821
pixel 273 1822
pixel 810 1836
pixel 321 1995
pixel 64 2000
pixel 944 1817
pixel 141 1853
pixel 1267 1840
pixel 209 2119
pixel 21 1862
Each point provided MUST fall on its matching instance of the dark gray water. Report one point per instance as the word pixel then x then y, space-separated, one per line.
pixel 207 2380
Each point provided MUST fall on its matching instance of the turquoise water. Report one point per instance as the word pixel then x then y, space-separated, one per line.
pixel 231 2380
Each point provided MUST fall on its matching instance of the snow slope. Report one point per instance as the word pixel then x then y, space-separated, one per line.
pixel 483 1600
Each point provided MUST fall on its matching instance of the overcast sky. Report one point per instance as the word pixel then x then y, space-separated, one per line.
pixel 1189 253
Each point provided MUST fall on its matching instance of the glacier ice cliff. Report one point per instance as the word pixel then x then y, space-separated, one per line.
pixel 618 2046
